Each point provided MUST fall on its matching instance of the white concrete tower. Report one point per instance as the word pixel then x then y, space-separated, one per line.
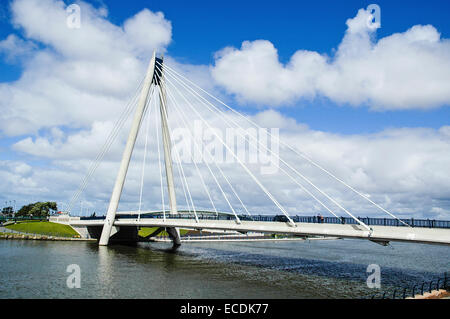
pixel 120 180
pixel 154 76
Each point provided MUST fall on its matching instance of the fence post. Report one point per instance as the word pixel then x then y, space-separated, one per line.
pixel 421 289
pixel 445 280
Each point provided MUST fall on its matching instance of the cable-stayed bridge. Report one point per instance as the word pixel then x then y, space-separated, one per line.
pixel 167 92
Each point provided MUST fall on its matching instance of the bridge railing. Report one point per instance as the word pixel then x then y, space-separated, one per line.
pixel 371 221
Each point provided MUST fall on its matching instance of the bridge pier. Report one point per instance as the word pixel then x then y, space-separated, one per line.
pixel 174 234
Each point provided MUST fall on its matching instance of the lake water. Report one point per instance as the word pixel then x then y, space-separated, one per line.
pixel 311 269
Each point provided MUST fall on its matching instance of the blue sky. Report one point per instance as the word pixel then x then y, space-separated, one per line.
pixel 200 28
pixel 38 130
pixel 204 27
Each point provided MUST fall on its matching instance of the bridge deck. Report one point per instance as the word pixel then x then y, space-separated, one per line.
pixel 379 233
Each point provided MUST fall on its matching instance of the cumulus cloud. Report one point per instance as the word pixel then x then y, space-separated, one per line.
pixel 80 75
pixel 137 29
pixel 76 82
pixel 408 70
pixel 15 48
pixel 415 183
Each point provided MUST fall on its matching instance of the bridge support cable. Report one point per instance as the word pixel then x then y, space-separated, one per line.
pixel 214 177
pixel 197 148
pixel 146 117
pixel 278 166
pixel 264 189
pixel 195 164
pixel 303 177
pixel 110 139
pixel 292 178
pixel 184 187
pixel 233 190
pixel 181 170
pixel 166 140
pixel 304 156
pixel 105 148
pixel 181 112
pixel 200 175
pixel 226 179
pixel 290 167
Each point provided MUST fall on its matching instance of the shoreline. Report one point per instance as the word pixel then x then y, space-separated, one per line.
pixel 17 236
pixel 14 236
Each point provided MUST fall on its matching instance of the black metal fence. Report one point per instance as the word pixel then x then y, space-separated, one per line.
pixel 428 223
pixel 22 218
pixel 426 286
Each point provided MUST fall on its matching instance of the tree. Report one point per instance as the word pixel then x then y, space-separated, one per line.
pixel 38 209
pixel 25 210
pixel 8 211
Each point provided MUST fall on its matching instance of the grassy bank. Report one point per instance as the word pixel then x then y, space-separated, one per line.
pixel 145 231
pixel 44 228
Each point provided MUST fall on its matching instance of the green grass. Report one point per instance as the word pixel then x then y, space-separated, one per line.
pixel 44 228
pixel 28 221
pixel 145 231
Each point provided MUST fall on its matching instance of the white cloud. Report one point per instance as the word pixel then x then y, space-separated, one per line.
pixel 440 213
pixel 14 48
pixel 409 70
pixel 73 89
pixel 81 75
pixel 403 170
pixel 137 29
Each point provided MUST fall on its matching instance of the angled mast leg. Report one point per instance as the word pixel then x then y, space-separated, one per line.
pixel 173 232
pixel 166 138
pixel 120 180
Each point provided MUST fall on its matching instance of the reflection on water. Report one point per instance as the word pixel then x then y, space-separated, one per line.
pixel 316 269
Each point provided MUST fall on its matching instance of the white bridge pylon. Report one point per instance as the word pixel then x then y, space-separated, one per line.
pixel 171 86
pixel 150 78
